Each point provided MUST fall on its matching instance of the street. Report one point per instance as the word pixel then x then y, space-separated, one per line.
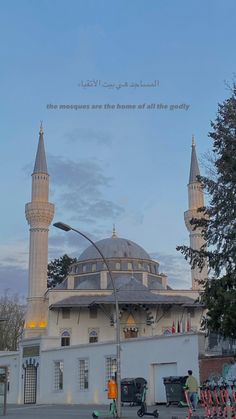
pixel 85 411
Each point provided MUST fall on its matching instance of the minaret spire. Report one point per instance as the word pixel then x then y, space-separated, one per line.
pixel 114 235
pixel 39 214
pixel 40 165
pixel 195 201
pixel 194 168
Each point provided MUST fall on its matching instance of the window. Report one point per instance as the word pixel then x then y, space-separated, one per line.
pixel 93 335
pixel 130 266
pixel 118 265
pixel 58 375
pixel 140 265
pixel 110 368
pixel 152 269
pixel 83 374
pixel 93 312
pixel 166 331
pixel 94 267
pixel 65 313
pixel 84 268
pixel 65 338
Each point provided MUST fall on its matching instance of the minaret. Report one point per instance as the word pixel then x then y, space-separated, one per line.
pixel 195 201
pixel 39 214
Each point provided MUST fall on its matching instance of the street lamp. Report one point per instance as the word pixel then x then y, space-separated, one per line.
pixel 66 227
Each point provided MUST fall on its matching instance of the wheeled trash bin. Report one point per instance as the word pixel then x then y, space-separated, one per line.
pixel 139 386
pixel 132 389
pixel 174 389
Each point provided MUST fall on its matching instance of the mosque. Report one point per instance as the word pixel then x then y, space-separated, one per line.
pixel 68 350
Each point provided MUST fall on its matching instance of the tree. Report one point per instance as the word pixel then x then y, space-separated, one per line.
pixel 218 223
pixel 12 313
pixel 58 270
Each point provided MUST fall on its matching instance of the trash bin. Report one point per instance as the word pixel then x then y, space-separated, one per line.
pixel 139 385
pixel 127 390
pixel 174 389
pixel 131 390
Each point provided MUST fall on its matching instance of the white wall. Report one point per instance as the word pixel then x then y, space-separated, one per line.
pixel 138 359
pixel 11 360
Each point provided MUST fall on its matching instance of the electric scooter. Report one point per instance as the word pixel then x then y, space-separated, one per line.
pixel 111 413
pixel 191 414
pixel 206 402
pixel 143 409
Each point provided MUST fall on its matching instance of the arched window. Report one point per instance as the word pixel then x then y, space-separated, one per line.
pixel 65 338
pixel 94 267
pixel 118 265
pixel 130 266
pixel 93 336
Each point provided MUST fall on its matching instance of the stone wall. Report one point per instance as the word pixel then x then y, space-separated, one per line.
pixel 217 366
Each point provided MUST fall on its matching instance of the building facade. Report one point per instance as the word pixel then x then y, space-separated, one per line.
pixel 68 351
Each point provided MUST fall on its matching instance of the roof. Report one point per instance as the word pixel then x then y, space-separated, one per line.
pixel 40 165
pixel 123 298
pixel 194 169
pixel 133 292
pixel 115 247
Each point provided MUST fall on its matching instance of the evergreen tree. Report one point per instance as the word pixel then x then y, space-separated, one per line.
pixel 218 223
pixel 58 270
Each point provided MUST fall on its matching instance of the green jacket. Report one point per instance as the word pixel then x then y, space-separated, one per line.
pixel 192 384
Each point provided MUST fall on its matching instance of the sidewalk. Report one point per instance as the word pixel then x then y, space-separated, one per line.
pixel 85 411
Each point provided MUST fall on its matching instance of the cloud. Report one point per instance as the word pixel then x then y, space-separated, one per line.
pixel 85 176
pixel 15 253
pixel 176 268
pixel 78 189
pixel 13 279
pixel 14 267
pixel 70 243
pixel 88 135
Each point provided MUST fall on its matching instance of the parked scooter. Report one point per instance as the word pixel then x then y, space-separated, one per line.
pixel 111 413
pixel 143 409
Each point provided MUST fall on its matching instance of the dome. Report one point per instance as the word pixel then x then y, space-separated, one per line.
pixel 114 247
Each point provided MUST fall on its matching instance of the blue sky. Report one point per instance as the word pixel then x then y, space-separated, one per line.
pixel 128 167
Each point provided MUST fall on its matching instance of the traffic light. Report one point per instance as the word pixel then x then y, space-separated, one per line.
pixel 149 319
pixel 112 321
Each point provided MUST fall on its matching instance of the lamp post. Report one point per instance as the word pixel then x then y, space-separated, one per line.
pixel 66 227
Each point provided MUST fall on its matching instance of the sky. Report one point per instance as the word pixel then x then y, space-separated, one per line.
pixel 120 88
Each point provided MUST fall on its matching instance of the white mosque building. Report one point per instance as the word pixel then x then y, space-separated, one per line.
pixel 68 350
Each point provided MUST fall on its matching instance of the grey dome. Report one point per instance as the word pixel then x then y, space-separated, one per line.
pixel 115 247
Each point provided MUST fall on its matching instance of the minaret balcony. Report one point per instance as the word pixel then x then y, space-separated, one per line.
pixel 39 213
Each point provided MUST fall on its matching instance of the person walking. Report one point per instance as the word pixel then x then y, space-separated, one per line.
pixel 192 386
